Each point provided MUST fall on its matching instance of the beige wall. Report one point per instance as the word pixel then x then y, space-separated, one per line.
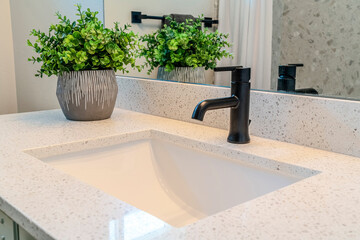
pixel 8 103
pixel 36 93
pixel 120 11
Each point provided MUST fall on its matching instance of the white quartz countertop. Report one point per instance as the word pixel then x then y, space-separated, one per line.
pixel 52 205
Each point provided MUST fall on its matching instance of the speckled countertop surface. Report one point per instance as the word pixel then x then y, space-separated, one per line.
pixel 52 205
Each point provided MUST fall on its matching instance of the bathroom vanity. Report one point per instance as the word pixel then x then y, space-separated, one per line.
pixel 54 186
pixel 151 172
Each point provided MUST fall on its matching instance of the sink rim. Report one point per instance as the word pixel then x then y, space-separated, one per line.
pixel 232 154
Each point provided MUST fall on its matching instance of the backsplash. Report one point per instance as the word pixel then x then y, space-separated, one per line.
pixel 323 123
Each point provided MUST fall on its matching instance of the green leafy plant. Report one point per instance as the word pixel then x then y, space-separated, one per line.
pixel 84 44
pixel 184 45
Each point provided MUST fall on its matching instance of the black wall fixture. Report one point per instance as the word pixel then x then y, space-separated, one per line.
pixel 137 17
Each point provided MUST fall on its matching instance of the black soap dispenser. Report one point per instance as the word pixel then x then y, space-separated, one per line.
pixel 287 77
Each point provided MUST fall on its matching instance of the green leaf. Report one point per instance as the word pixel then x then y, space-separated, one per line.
pixel 183 45
pixel 29 43
pixel 84 44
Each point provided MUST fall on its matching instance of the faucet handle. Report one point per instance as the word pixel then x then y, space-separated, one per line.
pixel 290 69
pixel 296 64
pixel 239 74
pixel 230 68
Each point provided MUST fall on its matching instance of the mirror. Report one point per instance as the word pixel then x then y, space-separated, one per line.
pixel 322 35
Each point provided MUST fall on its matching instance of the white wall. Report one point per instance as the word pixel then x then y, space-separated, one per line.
pixel 120 11
pixel 36 93
pixel 8 102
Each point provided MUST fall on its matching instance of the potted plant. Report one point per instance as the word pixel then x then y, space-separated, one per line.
pixel 85 55
pixel 183 51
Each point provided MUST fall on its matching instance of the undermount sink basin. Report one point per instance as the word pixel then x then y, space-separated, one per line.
pixel 170 179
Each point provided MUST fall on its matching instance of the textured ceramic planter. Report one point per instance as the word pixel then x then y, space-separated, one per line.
pixel 87 95
pixel 183 74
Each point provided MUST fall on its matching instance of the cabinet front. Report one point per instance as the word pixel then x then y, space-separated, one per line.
pixel 6 227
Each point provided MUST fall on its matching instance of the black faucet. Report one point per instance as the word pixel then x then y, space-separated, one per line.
pixel 287 79
pixel 239 102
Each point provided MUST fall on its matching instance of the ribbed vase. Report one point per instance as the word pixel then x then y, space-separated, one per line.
pixel 183 74
pixel 87 95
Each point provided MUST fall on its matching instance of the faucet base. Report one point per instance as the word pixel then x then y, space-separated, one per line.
pixel 238 139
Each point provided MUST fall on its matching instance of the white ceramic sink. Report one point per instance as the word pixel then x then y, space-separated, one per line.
pixel 176 183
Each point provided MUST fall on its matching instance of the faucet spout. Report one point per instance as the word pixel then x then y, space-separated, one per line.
pixel 212 104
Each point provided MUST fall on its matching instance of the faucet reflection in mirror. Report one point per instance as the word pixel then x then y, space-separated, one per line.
pixel 287 80
pixel 239 102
